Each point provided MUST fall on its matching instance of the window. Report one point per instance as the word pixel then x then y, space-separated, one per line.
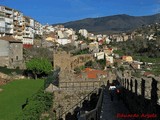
pixel 12 60
pixel 16 57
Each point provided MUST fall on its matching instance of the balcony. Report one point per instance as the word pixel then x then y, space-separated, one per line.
pixel 19 37
pixel 2 15
pixel 8 11
pixel 9 26
pixel 20 24
pixel 2 19
pixel 9 30
pixel 9 20
pixel 2 29
pixel 19 29
pixel 27 36
pixel 19 33
pixel 15 18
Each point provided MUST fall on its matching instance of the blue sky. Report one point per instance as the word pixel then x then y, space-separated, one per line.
pixel 59 11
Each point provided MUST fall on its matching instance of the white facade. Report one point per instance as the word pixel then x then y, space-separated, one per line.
pixel 83 32
pixel 12 22
pixel 38 28
pixel 27 41
pixel 109 59
pixel 31 23
pixel 70 32
pixel 2 25
pixel 108 40
pixel 99 55
pixel 6 20
pixel 63 41
pixel 60 34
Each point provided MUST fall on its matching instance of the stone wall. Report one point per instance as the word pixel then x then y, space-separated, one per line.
pixel 68 62
pixel 4 61
pixel 11 54
pixel 141 95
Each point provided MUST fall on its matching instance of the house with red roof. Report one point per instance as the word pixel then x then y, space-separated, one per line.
pixel 89 73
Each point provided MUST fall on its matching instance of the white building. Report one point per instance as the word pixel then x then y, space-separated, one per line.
pixel 99 55
pixel 83 32
pixel 18 24
pixel 38 28
pixel 28 33
pixel 109 59
pixel 108 40
pixel 6 21
pixel 63 41
pixel 13 23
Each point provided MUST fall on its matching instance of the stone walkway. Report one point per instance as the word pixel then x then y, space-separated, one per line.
pixel 110 109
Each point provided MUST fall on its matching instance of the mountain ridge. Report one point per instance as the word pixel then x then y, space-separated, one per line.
pixel 112 24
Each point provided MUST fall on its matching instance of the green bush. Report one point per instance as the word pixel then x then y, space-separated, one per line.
pixel 39 66
pixel 37 104
pixel 10 71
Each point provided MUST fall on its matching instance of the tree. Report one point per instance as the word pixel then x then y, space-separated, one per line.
pixel 38 53
pixel 39 66
pixel 89 64
pixel 77 70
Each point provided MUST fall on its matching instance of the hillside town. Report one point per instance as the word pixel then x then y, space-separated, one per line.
pixel 73 59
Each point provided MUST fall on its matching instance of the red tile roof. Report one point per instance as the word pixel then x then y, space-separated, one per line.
pixel 93 73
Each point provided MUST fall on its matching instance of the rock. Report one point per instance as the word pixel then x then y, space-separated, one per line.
pixel 51 88
pixel 4 76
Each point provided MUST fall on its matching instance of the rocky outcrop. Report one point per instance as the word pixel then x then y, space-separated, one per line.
pixel 4 78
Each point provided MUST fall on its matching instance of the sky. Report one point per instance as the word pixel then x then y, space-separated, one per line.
pixel 60 11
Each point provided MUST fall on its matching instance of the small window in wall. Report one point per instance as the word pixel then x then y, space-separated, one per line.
pixel 16 57
pixel 12 60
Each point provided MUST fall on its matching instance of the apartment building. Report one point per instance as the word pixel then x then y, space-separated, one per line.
pixel 38 28
pixel 18 25
pixel 28 33
pixel 14 23
pixel 6 21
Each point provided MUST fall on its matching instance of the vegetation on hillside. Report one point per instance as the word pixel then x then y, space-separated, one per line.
pixel 39 66
pixel 38 53
pixel 112 24
pixel 146 48
pixel 81 37
pixel 36 105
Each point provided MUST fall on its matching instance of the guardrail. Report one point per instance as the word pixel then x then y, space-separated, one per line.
pixel 79 104
pixel 95 113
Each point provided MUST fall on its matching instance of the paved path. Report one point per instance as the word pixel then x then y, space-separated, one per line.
pixel 111 108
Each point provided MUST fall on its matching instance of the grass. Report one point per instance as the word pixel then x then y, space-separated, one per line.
pixel 147 59
pixel 14 94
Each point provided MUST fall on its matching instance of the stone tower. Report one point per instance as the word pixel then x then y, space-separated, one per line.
pixel 62 59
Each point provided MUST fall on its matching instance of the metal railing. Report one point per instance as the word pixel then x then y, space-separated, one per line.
pixel 95 113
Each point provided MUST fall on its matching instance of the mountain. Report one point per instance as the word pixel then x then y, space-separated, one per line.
pixel 115 23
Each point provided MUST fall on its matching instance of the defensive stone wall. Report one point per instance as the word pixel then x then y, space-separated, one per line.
pixel 66 61
pixel 141 95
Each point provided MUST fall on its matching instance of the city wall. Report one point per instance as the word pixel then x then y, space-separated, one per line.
pixel 67 61
pixel 141 95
